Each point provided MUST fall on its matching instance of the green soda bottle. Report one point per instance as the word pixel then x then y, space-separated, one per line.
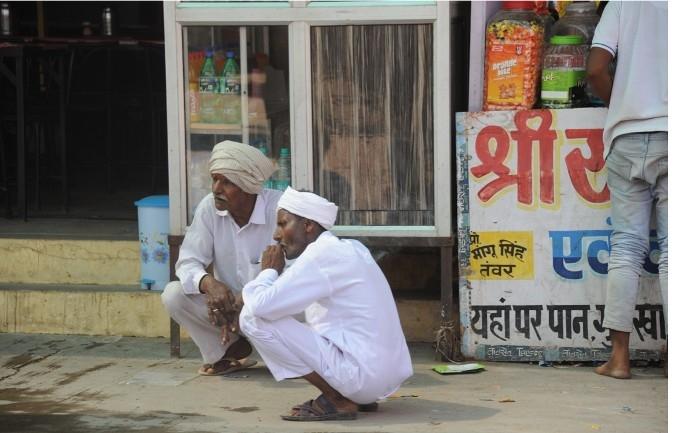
pixel 231 90
pixel 208 88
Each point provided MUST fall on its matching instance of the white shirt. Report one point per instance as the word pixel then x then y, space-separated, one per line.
pixel 637 33
pixel 346 299
pixel 214 237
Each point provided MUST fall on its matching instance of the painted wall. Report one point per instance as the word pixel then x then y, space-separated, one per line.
pixel 533 229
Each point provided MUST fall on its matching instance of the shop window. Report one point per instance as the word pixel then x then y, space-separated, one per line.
pixel 372 122
pixel 248 103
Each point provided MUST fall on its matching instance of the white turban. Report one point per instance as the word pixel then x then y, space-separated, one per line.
pixel 309 205
pixel 243 165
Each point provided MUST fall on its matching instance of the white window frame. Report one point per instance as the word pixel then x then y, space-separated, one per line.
pixel 480 13
pixel 299 17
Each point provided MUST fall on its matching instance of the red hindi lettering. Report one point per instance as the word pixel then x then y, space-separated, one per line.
pixel 492 163
pixel 525 137
pixel 577 164
pixel 523 178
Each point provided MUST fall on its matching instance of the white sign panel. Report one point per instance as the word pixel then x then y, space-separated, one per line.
pixel 533 230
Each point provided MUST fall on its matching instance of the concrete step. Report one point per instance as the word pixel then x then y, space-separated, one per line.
pixel 69 261
pixel 82 309
pixel 128 310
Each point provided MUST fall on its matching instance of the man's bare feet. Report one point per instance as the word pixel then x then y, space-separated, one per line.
pixel 618 365
pixel 610 369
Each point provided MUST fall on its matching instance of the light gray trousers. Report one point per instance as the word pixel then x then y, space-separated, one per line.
pixel 191 312
pixel 637 176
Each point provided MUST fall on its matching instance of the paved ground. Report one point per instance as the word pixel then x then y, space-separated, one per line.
pixel 74 384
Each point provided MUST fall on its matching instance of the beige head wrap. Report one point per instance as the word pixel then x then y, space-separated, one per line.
pixel 309 205
pixel 242 164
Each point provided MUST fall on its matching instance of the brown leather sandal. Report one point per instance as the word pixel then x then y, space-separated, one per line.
pixel 225 366
pixel 320 409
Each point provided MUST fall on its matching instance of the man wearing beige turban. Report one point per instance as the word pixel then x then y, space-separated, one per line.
pixel 230 229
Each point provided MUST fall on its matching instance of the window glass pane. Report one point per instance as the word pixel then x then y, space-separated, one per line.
pixel 223 105
pixel 233 4
pixel 367 3
pixel 372 122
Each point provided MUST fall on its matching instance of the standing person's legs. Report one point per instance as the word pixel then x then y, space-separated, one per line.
pixel 191 312
pixel 658 175
pixel 632 200
pixel 659 171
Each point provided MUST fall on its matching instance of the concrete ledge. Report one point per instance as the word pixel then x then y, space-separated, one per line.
pixel 66 261
pixel 128 313
pixel 139 313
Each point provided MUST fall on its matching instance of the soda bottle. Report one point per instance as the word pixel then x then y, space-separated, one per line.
pixel 219 59
pixel 208 90
pixel 231 90
pixel 283 174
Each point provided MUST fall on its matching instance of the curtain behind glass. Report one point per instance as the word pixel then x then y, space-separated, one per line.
pixel 372 122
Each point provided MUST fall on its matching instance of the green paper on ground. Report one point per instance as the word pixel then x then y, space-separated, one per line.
pixel 473 367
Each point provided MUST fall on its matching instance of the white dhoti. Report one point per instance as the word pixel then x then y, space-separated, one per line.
pixel 293 349
pixel 191 312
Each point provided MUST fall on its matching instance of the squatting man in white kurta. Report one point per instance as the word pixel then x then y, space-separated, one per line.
pixel 352 347
pixel 230 229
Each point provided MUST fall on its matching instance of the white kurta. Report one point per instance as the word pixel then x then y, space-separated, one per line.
pixel 353 337
pixel 214 237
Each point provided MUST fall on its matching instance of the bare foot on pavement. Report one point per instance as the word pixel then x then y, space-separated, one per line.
pixel 612 370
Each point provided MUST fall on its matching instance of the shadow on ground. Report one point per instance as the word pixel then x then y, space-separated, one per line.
pixel 50 416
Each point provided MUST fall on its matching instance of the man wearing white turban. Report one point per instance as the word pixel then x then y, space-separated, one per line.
pixel 352 347
pixel 231 227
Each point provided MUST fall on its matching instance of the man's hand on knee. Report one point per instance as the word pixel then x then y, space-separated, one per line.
pixel 221 301
pixel 230 320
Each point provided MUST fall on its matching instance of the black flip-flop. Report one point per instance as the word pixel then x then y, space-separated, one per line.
pixel 234 366
pixel 369 407
pixel 319 410
pixel 249 350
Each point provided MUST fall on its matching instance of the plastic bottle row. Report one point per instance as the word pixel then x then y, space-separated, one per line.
pixel 214 94
pixel 281 178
